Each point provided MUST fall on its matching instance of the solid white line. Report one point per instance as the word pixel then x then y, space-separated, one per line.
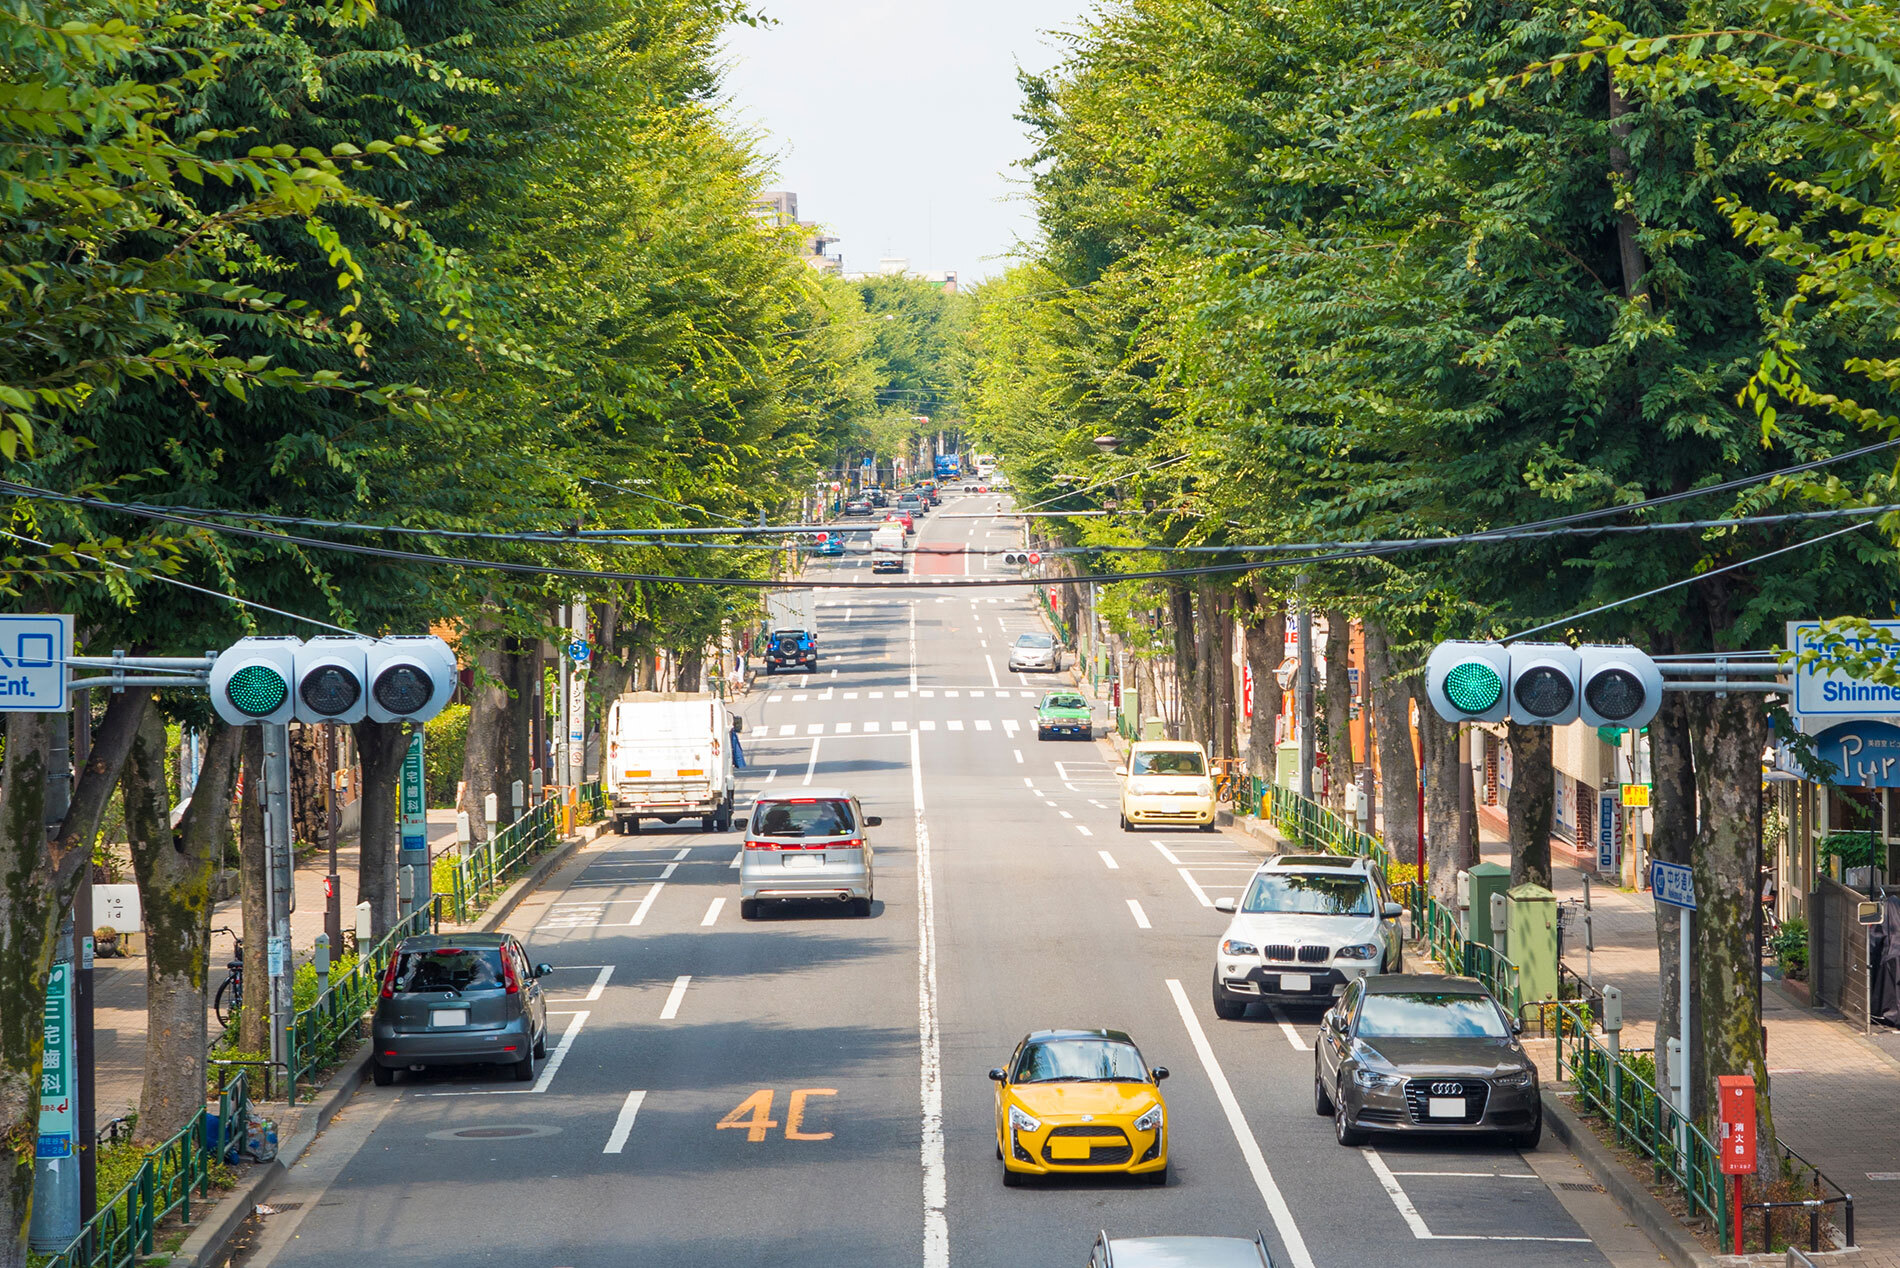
pixel 640 912
pixel 1166 853
pixel 668 870
pixel 600 983
pixel 1286 1028
pixel 812 765
pixel 712 912
pixel 623 1126
pixel 1243 1135
pixel 994 680
pixel 929 1043
pixel 673 998
pixel 680 857
pixel 1195 885
pixel 736 860
pixel 1396 1192
pixel 1109 860
pixel 1141 917
pixel 1473 1175
pixel 560 1052
pixel 913 687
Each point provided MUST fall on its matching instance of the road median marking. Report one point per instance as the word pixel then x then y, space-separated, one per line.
pixel 712 912
pixel 674 996
pixel 1108 861
pixel 1141 917
pixel 623 1125
pixel 646 904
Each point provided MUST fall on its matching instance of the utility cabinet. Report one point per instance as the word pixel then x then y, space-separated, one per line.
pixel 1533 917
pixel 1481 882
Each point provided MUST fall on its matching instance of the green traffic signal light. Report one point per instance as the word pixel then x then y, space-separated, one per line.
pixel 257 690
pixel 1473 686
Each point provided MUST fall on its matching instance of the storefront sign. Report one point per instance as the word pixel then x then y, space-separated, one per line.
pixel 57 1119
pixel 1826 694
pixel 1864 754
pixel 1607 834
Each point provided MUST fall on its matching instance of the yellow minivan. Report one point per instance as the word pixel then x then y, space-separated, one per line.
pixel 1167 782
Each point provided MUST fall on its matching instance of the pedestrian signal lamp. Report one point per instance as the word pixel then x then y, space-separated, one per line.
pixel 1466 681
pixel 1619 687
pixel 411 678
pixel 251 682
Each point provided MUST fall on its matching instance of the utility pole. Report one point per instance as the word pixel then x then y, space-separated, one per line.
pixel 565 669
pixel 332 813
pixel 1467 811
pixel 281 891
pixel 1303 688
pixel 83 1040
pixel 56 1180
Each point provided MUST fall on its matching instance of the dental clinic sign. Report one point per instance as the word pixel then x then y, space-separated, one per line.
pixel 33 655
pixel 1823 698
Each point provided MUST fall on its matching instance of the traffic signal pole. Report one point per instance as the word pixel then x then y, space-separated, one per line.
pixel 280 893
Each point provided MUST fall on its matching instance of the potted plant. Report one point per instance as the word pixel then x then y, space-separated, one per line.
pixel 1858 852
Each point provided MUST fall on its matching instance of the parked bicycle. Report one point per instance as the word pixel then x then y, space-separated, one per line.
pixel 230 994
pixel 1228 780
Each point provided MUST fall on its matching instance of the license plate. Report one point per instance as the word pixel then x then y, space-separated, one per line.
pixel 805 862
pixel 448 1016
pixel 1445 1107
pixel 1296 981
pixel 1073 1148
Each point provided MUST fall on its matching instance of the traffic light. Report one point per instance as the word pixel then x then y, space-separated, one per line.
pixel 251 682
pixel 1543 684
pixel 332 671
pixel 1465 681
pixel 1620 686
pixel 1015 558
pixel 411 677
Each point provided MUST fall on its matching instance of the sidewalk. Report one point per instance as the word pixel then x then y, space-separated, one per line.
pixel 1836 1094
pixel 119 983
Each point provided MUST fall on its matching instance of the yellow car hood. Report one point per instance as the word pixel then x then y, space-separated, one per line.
pixel 1070 1100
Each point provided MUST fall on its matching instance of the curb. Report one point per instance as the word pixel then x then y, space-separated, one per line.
pixel 210 1236
pixel 1676 1243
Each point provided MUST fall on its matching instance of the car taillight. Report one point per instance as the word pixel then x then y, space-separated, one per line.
pixel 760 845
pixel 510 980
pixel 389 979
pixel 855 843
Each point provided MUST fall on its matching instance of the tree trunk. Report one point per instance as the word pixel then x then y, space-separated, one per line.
pixel 692 670
pixel 1187 665
pixel 1398 767
pixel 521 669
pixel 38 878
pixel 1533 792
pixel 1265 635
pixel 1220 642
pixel 1629 250
pixel 1446 852
pixel 487 743
pixel 254 891
pixel 1728 748
pixel 1340 770
pixel 174 872
pixel 1672 770
pixel 309 778
pixel 382 746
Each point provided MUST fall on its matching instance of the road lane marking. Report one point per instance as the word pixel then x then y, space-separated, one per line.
pixel 994 680
pixel 555 1059
pixel 929 1042
pixel 1199 893
pixel 1109 860
pixel 1009 727
pixel 1141 917
pixel 784 731
pixel 816 728
pixel 872 726
pixel 1388 1181
pixel 1473 1175
pixel 681 856
pixel 737 859
pixel 1286 1028
pixel 712 912
pixel 981 724
pixel 646 904
pixel 1028 782
pixel 926 725
pixel 1083 828
pixel 1166 853
pixel 812 765
pixel 1019 755
pixel 673 998
pixel 913 686
pixel 1065 814
pixel 954 724
pixel 623 1126
pixel 1243 1135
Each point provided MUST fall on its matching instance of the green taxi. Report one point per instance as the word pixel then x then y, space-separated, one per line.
pixel 1063 713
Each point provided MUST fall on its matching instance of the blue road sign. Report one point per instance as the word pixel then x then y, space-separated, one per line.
pixel 1672 883
pixel 33 655
pixel 578 651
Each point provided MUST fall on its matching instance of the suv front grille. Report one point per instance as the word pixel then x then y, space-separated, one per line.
pixel 1100 1155
pixel 1283 951
pixel 1310 954
pixel 1474 1093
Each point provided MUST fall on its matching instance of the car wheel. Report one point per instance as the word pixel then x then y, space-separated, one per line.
pixel 748 909
pixel 383 1075
pixel 1343 1131
pixel 1527 1140
pixel 1322 1103
pixel 524 1069
pixel 1012 1179
pixel 708 822
pixel 723 821
pixel 1209 827
pixel 1127 826
pixel 1088 733
pixel 541 1044
pixel 632 829
pixel 1226 1007
pixel 860 906
pixel 1158 1178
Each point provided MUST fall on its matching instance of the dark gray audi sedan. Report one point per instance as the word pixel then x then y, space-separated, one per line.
pixel 460 999
pixel 1409 1052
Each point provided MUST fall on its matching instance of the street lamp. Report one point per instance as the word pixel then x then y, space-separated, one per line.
pixel 1108 444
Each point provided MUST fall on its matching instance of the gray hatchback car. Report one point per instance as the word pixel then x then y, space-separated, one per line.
pixel 460 999
pixel 812 846
pixel 1413 1052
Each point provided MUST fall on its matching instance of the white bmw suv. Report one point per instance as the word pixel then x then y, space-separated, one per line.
pixel 1308 926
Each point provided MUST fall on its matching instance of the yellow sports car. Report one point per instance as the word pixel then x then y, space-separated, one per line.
pixel 1080 1102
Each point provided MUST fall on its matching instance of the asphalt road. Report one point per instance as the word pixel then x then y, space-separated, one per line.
pixel 810 1089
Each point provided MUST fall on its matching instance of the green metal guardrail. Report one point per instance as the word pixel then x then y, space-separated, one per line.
pixel 473 879
pixel 127 1222
pixel 317 1034
pixel 593 803
pixel 1313 826
pixel 1641 1119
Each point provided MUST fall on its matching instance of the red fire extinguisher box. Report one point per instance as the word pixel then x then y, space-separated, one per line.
pixel 1736 1115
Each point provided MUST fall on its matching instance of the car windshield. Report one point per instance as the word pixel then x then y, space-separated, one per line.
pixel 1309 894
pixel 1036 640
pixel 1080 1061
pixel 1065 702
pixel 1151 762
pixel 815 818
pixel 1430 1015
pixel 448 969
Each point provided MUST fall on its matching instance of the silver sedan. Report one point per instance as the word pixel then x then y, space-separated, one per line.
pixel 1035 651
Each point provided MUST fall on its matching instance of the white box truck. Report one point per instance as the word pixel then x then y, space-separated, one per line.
pixel 669 757
pixel 887 549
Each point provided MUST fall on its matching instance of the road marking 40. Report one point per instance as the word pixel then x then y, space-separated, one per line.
pixel 754 1114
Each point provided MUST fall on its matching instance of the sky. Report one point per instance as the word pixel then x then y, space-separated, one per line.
pixel 894 121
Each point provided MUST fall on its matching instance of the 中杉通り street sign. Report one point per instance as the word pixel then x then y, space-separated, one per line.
pixel 1672 884
pixel 33 670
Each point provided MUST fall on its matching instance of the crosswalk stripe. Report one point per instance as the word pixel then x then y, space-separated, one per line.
pixel 954 725
pixel 982 724
pixel 926 725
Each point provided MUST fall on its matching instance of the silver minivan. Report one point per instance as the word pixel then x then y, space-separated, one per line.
pixel 812 846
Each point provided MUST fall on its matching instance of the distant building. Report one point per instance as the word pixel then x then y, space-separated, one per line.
pixel 780 206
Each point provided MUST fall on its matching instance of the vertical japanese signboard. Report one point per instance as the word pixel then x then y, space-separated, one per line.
pixel 413 824
pixel 57 1117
